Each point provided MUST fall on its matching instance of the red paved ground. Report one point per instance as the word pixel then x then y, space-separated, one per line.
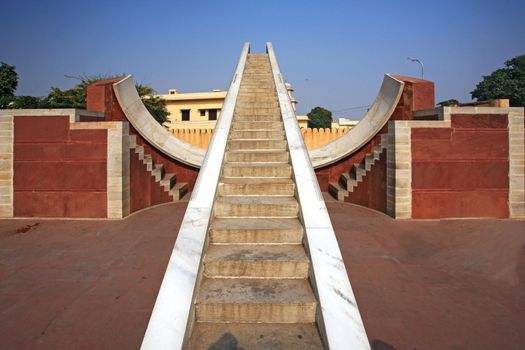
pixel 456 284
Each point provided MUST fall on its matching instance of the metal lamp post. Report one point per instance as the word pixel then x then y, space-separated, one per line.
pixel 413 59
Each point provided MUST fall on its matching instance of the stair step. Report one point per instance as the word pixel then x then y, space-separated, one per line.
pixel 231 186
pixel 271 103
pixel 255 301
pixel 243 125
pixel 179 190
pixel 158 172
pixel 256 207
pixel 255 99
pixel 257 156
pixel 257 170
pixel 256 144
pixel 256 117
pixel 337 191
pixel 347 182
pixel 254 336
pixel 255 231
pixel 257 134
pixel 261 261
pixel 168 181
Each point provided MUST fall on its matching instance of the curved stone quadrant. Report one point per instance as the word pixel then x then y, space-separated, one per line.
pixel 376 117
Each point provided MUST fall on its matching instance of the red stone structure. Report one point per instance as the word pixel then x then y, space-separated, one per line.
pixel 425 163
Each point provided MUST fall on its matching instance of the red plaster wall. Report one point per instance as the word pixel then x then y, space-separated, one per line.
pixel 145 192
pixel 58 172
pixel 102 98
pixel 371 192
pixel 461 171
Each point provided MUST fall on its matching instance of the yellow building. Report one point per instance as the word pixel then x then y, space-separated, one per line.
pixel 200 110
pixel 344 123
pixel 196 110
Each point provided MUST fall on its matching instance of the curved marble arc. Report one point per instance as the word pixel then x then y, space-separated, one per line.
pixel 374 120
pixel 150 129
pixel 376 117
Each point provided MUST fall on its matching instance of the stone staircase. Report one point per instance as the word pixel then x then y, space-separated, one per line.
pixel 168 181
pixel 254 292
pixel 349 181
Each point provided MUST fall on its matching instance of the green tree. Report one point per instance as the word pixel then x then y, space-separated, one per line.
pixel 8 84
pixel 155 105
pixel 508 82
pixel 27 102
pixel 319 118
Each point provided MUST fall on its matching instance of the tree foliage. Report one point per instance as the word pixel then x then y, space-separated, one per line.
pixel 319 118
pixel 76 96
pixel 8 80
pixel 508 82
pixel 8 84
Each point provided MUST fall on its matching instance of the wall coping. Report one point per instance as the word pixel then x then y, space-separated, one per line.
pixel 73 113
pixel 338 316
pixel 172 316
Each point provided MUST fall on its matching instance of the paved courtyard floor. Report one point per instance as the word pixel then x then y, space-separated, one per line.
pixel 89 284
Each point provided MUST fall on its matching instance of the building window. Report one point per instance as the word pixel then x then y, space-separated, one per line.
pixel 202 112
pixel 185 114
pixel 212 114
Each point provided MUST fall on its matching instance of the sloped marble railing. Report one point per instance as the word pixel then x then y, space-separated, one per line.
pixel 339 319
pixel 171 318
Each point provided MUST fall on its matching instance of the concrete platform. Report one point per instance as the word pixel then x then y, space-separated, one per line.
pixel 451 284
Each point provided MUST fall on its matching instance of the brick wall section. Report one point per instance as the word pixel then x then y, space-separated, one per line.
pixel 58 172
pixel 101 98
pixel 461 171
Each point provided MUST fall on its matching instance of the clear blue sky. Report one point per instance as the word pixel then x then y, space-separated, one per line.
pixel 333 52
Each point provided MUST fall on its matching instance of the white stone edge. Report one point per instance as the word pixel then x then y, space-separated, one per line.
pixel 374 120
pixel 6 165
pixel 516 164
pixel 150 129
pixel 74 114
pixel 171 314
pixel 339 321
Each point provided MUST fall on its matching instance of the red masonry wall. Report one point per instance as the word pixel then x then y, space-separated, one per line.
pixel 58 172
pixel 145 192
pixel 461 171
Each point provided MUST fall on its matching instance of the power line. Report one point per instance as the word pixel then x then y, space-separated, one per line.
pixel 351 108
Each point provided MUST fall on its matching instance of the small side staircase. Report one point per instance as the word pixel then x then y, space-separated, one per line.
pixel 349 181
pixel 168 181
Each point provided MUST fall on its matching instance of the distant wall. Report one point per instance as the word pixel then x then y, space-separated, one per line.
pixel 58 172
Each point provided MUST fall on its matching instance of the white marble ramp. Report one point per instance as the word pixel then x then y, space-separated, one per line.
pixel 256 264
